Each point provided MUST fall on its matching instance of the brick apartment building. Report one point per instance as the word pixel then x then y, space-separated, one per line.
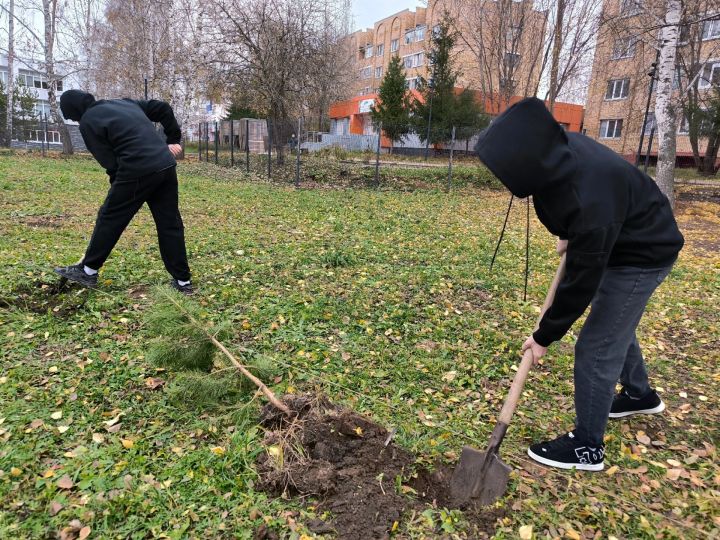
pixel 408 34
pixel 620 82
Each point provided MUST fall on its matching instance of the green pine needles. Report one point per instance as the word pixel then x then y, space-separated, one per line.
pixel 182 345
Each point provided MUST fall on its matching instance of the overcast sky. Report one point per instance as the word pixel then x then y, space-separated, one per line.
pixel 366 12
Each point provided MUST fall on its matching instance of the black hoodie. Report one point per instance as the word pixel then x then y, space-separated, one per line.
pixel 609 211
pixel 120 133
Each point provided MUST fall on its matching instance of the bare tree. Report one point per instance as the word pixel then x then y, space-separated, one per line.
pixel 275 52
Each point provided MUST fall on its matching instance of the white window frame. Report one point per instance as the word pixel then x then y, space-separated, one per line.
pixel 368 51
pixel 4 77
pixel 711 29
pixel 411 83
pixel 38 135
pixel 378 72
pixel 620 89
pixel 416 60
pixel 420 30
pixel 628 51
pixel 394 45
pixel 409 36
pixel 366 72
pixel 714 67
pixel 380 49
pixel 683 126
pixel 614 133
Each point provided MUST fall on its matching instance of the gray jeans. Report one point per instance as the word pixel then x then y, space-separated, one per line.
pixel 607 349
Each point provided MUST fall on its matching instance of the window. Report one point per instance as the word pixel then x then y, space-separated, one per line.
pixel 414 60
pixel 380 49
pixel 649 123
pixel 366 72
pixel 710 75
pixel 419 33
pixel 512 60
pixel 711 29
pixel 394 45
pixel 617 89
pixel 41 107
pixel 409 36
pixel 38 135
pixel 630 7
pixel 4 77
pixel 378 72
pixel 436 30
pixel 513 35
pixel 677 79
pixel 610 129
pixel 413 83
pixel 368 51
pixel 624 48
pixel 684 38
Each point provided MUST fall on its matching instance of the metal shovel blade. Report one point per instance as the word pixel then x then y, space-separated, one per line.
pixel 479 477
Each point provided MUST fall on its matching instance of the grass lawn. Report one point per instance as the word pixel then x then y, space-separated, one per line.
pixel 380 299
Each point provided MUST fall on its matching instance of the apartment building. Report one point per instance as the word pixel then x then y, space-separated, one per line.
pixel 620 82
pixel 408 34
pixel 35 134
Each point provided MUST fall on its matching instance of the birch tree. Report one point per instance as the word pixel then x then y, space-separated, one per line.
pixel 11 75
pixel 665 108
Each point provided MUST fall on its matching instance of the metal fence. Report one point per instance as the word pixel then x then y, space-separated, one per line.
pixel 293 153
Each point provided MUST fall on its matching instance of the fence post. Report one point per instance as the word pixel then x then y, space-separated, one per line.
pixel 247 146
pixel 297 152
pixel 200 141
pixel 232 143
pixel 43 135
pixel 207 142
pixel 377 156
pixel 47 144
pixel 216 143
pixel 269 149
pixel 452 148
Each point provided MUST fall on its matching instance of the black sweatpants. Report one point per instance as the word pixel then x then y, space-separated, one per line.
pixel 160 191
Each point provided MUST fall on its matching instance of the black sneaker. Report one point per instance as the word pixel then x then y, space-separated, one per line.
pixel 567 452
pixel 186 289
pixel 76 273
pixel 625 405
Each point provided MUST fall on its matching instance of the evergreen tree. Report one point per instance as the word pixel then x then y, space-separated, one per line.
pixel 393 106
pixel 24 114
pixel 440 106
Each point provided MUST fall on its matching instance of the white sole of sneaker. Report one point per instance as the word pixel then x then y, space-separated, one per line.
pixel 561 465
pixel 655 410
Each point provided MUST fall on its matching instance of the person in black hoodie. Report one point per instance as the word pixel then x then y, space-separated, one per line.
pixel 621 240
pixel 121 135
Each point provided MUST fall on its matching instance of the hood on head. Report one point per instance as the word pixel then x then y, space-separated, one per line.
pixel 526 148
pixel 74 103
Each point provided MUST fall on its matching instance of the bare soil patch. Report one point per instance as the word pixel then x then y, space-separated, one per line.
pixel 350 465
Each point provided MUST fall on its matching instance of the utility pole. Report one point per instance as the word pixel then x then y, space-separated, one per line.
pixel 432 94
pixel 651 73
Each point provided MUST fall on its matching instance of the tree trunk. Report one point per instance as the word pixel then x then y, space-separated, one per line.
pixel 11 77
pixel 557 47
pixel 50 15
pixel 665 109
pixel 711 153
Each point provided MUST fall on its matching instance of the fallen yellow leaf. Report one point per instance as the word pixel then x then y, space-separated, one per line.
pixel 57 415
pixel 218 450
pixel 127 443
pixel 526 532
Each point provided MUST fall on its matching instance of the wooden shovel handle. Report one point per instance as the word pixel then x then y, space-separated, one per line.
pixel 527 360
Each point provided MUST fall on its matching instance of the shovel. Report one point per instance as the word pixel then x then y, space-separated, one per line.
pixel 482 476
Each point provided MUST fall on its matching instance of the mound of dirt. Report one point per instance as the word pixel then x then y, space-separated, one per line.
pixel 351 466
